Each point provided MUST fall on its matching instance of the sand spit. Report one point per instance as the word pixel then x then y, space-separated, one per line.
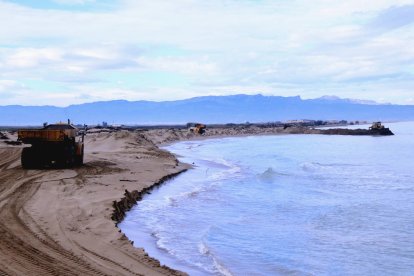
pixel 63 222
pixel 166 136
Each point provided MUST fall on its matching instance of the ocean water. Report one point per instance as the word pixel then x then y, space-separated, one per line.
pixel 285 205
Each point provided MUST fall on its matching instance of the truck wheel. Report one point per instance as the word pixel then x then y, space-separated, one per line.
pixel 79 158
pixel 27 158
pixel 67 159
pixel 70 156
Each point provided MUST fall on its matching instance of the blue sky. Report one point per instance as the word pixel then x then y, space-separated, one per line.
pixel 62 52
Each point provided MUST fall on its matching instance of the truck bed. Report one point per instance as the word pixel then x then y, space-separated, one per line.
pixel 30 136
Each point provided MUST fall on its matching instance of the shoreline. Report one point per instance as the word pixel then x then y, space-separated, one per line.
pixel 130 199
pixel 164 230
pixel 125 204
pixel 204 138
pixel 68 215
pixel 163 137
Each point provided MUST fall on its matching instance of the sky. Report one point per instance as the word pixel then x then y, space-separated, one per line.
pixel 63 52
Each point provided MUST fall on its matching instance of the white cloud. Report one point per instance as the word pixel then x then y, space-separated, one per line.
pixel 187 66
pixel 74 2
pixel 228 46
pixel 6 84
pixel 30 57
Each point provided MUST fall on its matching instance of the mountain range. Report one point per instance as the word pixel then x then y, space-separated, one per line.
pixel 209 109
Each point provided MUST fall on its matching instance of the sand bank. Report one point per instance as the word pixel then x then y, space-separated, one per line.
pixel 59 222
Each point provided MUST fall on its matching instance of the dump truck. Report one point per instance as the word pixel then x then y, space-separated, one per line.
pixel 60 145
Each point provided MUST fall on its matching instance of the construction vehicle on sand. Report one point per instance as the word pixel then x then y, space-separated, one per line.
pixel 376 125
pixel 53 145
pixel 198 129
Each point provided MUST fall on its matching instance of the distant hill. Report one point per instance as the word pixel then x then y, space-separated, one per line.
pixel 209 109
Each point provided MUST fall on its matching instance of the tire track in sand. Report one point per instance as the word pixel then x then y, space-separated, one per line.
pixel 58 222
pixel 22 250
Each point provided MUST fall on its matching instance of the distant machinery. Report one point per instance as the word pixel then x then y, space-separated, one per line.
pixel 376 125
pixel 197 128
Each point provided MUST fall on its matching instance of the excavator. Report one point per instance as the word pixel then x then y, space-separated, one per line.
pixel 53 145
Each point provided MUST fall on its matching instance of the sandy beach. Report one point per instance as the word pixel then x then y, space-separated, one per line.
pixel 58 222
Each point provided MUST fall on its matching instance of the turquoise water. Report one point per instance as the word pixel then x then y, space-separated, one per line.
pixel 287 204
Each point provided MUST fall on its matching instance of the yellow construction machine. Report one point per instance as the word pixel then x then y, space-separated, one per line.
pixel 376 125
pixel 53 145
pixel 198 129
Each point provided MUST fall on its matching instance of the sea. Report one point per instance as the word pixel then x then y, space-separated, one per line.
pixel 285 205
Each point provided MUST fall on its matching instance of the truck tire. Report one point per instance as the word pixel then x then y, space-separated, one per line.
pixel 27 159
pixel 79 158
pixel 66 158
pixel 70 153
